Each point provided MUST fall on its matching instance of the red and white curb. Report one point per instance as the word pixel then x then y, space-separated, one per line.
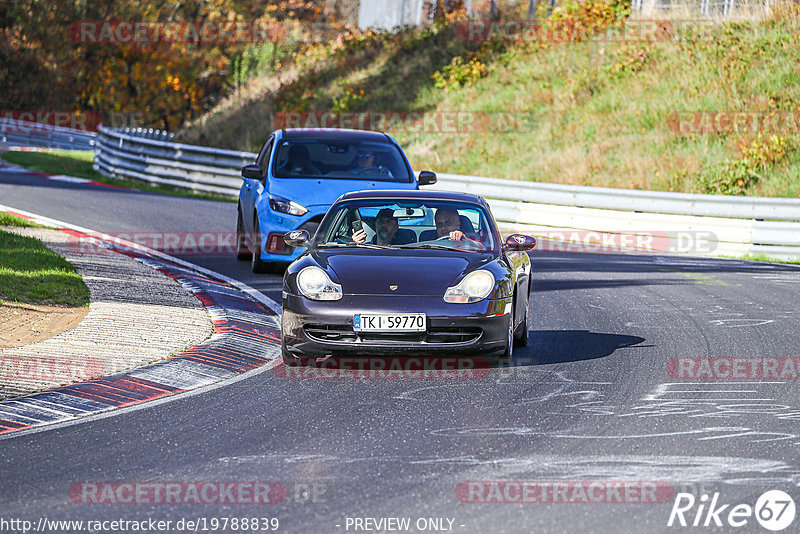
pixel 247 337
pixel 10 167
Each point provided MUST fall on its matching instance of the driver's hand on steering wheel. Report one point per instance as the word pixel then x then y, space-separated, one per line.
pixel 456 235
pixel 360 237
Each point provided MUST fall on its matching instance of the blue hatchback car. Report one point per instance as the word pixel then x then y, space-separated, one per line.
pixel 299 174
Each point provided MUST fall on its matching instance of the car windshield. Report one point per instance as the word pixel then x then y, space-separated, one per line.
pixel 409 224
pixel 340 159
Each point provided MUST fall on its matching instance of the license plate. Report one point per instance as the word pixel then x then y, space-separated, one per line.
pixel 389 322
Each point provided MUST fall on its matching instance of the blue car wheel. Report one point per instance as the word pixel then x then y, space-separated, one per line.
pixel 257 265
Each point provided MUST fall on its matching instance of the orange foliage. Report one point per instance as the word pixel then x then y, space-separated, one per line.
pixel 46 65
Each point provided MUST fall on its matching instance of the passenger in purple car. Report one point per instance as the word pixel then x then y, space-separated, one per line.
pixel 387 231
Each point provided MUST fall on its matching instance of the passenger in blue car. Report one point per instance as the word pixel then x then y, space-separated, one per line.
pixel 299 161
pixel 387 231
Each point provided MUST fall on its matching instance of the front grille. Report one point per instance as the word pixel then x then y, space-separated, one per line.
pixel 324 332
pixel 346 334
pixel 453 335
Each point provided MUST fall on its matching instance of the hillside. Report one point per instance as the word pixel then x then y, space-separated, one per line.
pixel 691 109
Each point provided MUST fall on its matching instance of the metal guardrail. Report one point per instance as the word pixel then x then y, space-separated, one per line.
pixel 137 155
pixel 23 133
pixel 784 209
pixel 732 225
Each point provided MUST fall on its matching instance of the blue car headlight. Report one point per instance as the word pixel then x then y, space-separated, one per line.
pixel 315 284
pixel 474 287
pixel 283 205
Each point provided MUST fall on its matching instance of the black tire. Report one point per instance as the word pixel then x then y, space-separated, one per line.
pixel 521 336
pixel 508 355
pixel 257 265
pixel 242 252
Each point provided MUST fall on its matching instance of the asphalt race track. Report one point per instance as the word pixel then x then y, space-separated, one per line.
pixel 594 397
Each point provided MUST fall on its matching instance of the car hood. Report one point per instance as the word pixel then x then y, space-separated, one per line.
pixel 414 272
pixel 314 192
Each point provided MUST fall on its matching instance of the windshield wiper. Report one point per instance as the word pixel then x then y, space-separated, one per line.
pixel 434 246
pixel 351 245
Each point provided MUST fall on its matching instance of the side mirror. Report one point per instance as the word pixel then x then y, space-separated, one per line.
pixel 519 242
pixel 251 172
pixel 426 178
pixel 296 238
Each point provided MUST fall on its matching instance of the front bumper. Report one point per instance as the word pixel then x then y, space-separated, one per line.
pixel 275 225
pixel 321 329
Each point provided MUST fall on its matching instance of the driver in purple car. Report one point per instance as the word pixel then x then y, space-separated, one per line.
pixel 448 224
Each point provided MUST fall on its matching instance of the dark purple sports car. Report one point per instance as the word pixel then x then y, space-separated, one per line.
pixel 402 273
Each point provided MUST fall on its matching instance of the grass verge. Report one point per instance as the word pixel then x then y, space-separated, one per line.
pixel 6 219
pixel 31 273
pixel 79 163
pixel 762 257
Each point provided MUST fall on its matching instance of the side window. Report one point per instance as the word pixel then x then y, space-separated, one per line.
pixel 263 157
pixel 474 217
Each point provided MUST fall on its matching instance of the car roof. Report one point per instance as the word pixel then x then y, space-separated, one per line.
pixel 335 134
pixel 380 194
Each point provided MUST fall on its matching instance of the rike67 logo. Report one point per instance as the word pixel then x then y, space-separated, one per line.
pixel 774 510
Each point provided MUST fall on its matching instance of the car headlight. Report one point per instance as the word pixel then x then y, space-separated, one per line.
pixel 283 205
pixel 315 284
pixel 476 286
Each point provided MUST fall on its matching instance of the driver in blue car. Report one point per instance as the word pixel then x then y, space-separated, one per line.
pixel 386 231
pixel 367 162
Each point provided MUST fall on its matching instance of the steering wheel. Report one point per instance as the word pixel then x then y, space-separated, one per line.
pixel 466 243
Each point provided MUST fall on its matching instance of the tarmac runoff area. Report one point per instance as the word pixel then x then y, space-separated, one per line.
pixel 137 315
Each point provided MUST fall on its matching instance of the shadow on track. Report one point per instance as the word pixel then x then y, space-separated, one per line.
pixel 561 346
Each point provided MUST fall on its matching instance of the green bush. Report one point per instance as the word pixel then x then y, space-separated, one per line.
pixel 459 74
pixel 734 177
